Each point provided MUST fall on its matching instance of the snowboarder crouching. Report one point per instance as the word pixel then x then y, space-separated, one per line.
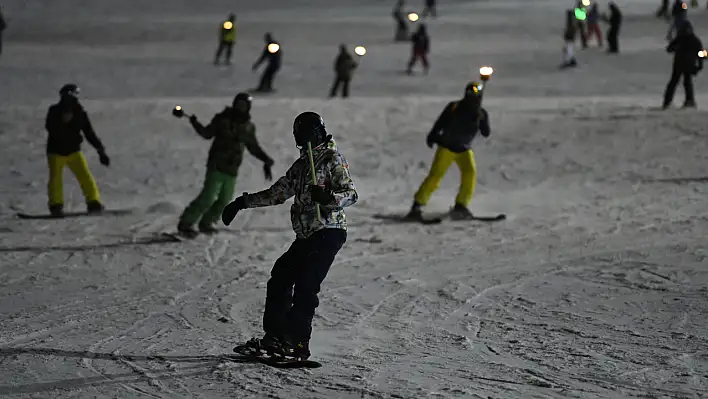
pixel 296 277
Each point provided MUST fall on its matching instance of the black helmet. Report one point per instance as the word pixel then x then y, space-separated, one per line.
pixel 69 89
pixel 474 89
pixel 309 126
pixel 245 98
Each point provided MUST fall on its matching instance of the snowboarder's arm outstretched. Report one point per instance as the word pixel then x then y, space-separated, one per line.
pixel 282 190
pixel 252 145
pixel 88 131
pixel 262 58
pixel 342 186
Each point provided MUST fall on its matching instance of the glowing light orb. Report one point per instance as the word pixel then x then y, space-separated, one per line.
pixel 486 71
pixel 273 48
pixel 178 108
pixel 580 14
pixel 360 50
pixel 684 6
pixel 586 3
pixel 703 54
pixel 413 17
pixel 228 25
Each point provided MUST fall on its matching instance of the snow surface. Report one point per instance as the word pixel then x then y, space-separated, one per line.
pixel 595 286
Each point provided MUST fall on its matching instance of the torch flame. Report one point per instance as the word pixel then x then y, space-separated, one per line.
pixel 360 50
pixel 228 25
pixel 486 71
pixel 413 17
pixel 586 3
pixel 273 48
pixel 684 6
pixel 703 54
pixel 178 107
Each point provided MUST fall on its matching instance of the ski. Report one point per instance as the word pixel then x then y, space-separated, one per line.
pixel 404 219
pixel 106 212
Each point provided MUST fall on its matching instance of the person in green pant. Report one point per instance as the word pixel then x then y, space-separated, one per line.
pixel 232 131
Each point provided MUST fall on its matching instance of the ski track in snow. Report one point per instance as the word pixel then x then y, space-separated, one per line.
pixel 594 287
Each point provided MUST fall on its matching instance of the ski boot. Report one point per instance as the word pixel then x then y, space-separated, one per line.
pixel 269 344
pixel 689 104
pixel 57 211
pixel 187 231
pixel 415 213
pixel 207 229
pixel 460 212
pixel 298 351
pixel 94 207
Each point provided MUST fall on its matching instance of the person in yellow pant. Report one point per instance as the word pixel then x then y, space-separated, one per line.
pixel 453 132
pixel 65 122
pixel 227 37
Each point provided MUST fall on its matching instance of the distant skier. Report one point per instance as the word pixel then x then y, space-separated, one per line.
pixel 429 9
pixel 232 131
pixel 344 66
pixel 3 25
pixel 273 53
pixel 686 64
pixel 401 23
pixel 615 21
pixel 663 11
pixel 420 49
pixel 453 133
pixel 65 122
pixel 679 15
pixel 296 277
pixel 569 40
pixel 580 23
pixel 593 20
pixel 227 37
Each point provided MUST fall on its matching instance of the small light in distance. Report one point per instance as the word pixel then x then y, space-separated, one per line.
pixel 703 54
pixel 413 17
pixel 273 48
pixel 228 25
pixel 586 3
pixel 360 50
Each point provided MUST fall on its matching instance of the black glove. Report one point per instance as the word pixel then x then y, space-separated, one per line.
pixel 430 140
pixel 193 119
pixel 321 195
pixel 105 161
pixel 267 172
pixel 229 213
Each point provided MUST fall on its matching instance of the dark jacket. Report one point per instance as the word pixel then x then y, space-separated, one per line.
pixel 615 20
pixel 571 28
pixel 685 48
pixel 3 25
pixel 421 41
pixel 344 65
pixel 65 122
pixel 458 124
pixel 273 58
pixel 231 136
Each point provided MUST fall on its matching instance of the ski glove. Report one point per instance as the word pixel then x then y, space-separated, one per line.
pixel 321 195
pixel 105 161
pixel 267 172
pixel 229 213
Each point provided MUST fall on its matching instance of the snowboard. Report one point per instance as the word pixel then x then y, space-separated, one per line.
pixel 438 218
pixel 281 363
pixel 106 212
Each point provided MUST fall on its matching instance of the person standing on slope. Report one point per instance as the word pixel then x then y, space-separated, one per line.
pixel 453 132
pixel 273 53
pixel 429 9
pixel 686 63
pixel 401 23
pixel 594 23
pixel 421 48
pixel 679 15
pixel 615 21
pixel 296 277
pixel 344 67
pixel 227 37
pixel 569 40
pixel 3 25
pixel 65 122
pixel 232 131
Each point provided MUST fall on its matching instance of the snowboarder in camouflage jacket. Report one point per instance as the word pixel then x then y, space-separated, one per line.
pixel 288 317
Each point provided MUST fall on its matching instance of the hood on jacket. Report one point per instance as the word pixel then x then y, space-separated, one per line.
pixel 329 144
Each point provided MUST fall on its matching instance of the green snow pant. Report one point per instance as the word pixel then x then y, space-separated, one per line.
pixel 217 192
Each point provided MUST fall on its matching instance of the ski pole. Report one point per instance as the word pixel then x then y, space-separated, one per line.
pixel 314 178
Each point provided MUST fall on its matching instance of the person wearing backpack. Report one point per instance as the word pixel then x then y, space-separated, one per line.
pixel 687 63
pixel 453 133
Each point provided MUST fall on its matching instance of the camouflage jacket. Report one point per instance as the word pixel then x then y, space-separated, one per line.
pixel 231 137
pixel 332 172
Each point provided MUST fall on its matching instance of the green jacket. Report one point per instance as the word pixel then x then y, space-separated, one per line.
pixel 231 136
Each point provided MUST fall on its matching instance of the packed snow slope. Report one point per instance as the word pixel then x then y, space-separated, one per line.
pixel 594 287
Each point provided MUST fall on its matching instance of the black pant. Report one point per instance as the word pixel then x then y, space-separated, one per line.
pixel 266 83
pixel 335 86
pixel 676 74
pixel 224 46
pixel 612 40
pixel 288 312
pixel 582 29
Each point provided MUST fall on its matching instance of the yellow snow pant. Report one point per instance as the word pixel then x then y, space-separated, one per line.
pixel 442 161
pixel 78 166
